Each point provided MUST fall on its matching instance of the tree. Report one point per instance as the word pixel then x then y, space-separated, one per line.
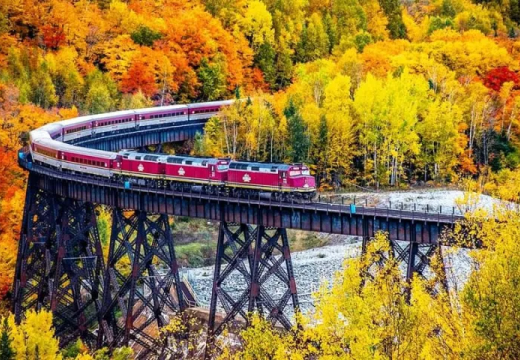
pixel 350 17
pixel 340 128
pixel 43 92
pixel 213 78
pixel 34 337
pixel 314 42
pixel 145 36
pixel 6 350
pixel 265 60
pixel 139 77
pixel 389 111
pixel 257 24
pixel 298 139
pixel 392 9
pixel 101 93
pixel 498 76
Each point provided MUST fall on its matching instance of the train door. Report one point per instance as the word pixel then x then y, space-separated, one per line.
pixel 60 157
pixel 138 118
pixel 283 179
pixel 115 164
pixel 212 171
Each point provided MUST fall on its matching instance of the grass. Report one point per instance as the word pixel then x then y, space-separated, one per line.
pixel 196 254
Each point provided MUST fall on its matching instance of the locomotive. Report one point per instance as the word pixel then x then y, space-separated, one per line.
pixel 53 145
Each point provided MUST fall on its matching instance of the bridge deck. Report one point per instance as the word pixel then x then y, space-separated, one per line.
pixel 424 227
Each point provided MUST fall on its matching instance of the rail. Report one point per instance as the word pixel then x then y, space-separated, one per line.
pixel 315 204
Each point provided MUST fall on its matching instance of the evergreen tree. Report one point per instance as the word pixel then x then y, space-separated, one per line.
pixel 265 60
pixel 284 69
pixel 321 149
pixel 213 78
pixel 6 350
pixel 392 9
pixel 298 139
pixel 330 29
pixel 145 36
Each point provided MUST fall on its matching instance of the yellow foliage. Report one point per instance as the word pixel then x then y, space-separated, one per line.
pixel 34 337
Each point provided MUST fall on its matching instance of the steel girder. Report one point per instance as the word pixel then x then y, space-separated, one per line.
pixel 143 283
pixel 253 272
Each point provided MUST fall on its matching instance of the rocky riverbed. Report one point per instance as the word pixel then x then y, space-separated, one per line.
pixel 313 267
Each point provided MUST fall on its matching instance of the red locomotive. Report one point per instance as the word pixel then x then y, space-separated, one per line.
pixel 215 176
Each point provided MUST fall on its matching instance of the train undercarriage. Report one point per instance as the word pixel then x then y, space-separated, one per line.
pixel 217 189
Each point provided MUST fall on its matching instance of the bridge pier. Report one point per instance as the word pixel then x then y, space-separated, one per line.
pixel 414 255
pixel 257 261
pixel 60 264
pixel 141 281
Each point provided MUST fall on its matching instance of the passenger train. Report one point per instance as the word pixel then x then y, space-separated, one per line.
pixel 53 145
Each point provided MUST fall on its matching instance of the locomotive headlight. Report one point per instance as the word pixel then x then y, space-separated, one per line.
pixel 306 185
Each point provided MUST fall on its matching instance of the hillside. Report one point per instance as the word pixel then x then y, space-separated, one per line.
pixel 372 93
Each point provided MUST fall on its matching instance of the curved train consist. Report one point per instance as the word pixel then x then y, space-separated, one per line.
pixel 53 145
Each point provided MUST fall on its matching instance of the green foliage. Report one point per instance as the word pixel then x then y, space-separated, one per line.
pixel 392 9
pixel 361 40
pixel 213 78
pixel 6 350
pixel 437 23
pixel 145 36
pixel 505 154
pixel 196 254
pixel 123 353
pixel 298 139
pixel 448 9
pixel 265 60
pixel 101 93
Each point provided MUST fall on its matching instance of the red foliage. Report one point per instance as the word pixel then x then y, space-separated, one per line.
pixel 53 36
pixel 139 77
pixel 495 78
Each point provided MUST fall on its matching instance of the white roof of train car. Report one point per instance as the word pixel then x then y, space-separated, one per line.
pixel 56 145
pixel 88 118
pixel 160 108
pixel 212 103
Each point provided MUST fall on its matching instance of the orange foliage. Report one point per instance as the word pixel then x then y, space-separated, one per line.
pixel 139 77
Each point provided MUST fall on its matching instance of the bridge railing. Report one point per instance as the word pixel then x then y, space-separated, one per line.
pixel 393 205
pixel 342 204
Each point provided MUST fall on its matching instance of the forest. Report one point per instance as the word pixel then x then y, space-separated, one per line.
pixel 372 93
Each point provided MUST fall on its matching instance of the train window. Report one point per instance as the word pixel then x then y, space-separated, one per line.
pixel 204 163
pixel 189 162
pixel 174 160
pixel 138 158
pixel 255 168
pixel 233 166
pixel 150 158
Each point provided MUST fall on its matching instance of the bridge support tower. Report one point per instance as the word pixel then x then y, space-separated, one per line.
pixel 414 255
pixel 253 272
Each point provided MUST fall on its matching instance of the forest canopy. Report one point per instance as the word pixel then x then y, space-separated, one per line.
pixel 375 93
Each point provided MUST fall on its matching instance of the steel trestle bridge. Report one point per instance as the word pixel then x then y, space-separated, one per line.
pixel 126 296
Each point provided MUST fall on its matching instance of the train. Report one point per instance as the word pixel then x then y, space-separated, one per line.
pixel 53 146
